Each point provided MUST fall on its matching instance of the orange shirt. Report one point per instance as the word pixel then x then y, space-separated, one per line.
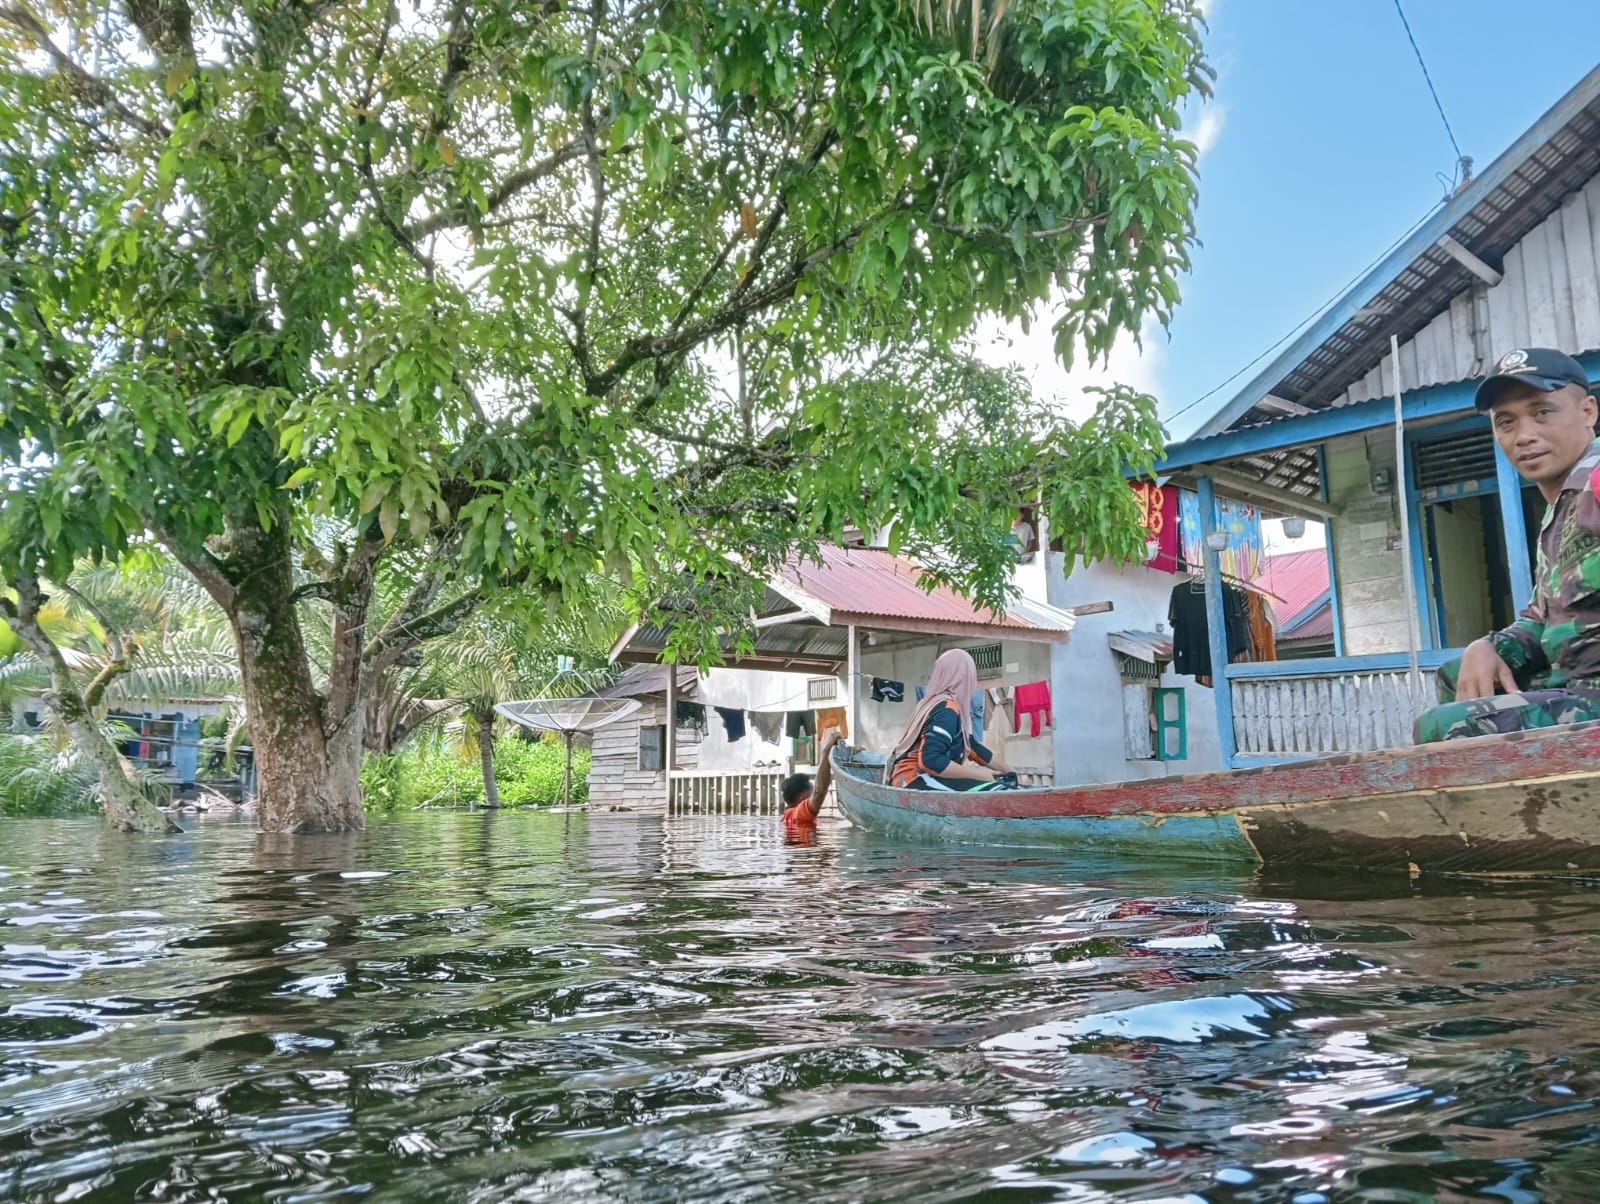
pixel 801 815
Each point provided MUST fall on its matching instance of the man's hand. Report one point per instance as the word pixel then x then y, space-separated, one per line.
pixel 1482 670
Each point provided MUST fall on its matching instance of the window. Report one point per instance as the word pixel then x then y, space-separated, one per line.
pixel 652 746
pixel 988 659
pixel 1138 720
pixel 1155 723
pixel 822 689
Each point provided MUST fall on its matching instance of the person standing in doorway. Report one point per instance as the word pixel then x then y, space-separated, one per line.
pixel 1543 670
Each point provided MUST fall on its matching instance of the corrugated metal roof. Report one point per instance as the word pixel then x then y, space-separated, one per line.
pixel 1300 579
pixel 1315 622
pixel 639 681
pixel 869 583
pixel 1533 215
pixel 866 588
pixel 1150 646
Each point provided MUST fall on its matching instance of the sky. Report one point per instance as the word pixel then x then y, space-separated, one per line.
pixel 1320 149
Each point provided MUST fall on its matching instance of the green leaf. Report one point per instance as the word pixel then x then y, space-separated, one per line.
pixel 374 493
pixel 389 519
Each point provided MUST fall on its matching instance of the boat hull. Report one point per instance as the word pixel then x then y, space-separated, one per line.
pixel 1528 802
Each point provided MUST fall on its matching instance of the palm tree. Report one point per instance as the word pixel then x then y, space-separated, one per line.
pixel 135 632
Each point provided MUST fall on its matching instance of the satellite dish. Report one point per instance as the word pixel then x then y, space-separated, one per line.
pixel 567 717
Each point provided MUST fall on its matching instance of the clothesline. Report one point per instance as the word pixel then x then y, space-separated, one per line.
pixel 1228 577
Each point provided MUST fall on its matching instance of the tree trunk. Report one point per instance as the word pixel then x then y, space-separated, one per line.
pixel 124 804
pixel 491 791
pixel 308 760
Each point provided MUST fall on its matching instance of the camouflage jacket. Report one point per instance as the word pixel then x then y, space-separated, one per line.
pixel 1558 635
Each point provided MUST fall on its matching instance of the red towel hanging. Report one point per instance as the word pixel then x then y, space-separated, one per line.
pixel 1033 702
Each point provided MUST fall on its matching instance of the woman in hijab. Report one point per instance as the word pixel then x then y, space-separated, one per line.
pixel 937 751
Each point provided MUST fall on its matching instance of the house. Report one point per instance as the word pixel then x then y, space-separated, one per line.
pixel 164 733
pixel 854 634
pixel 1298 585
pixel 1430 531
pixel 824 631
pixel 627 766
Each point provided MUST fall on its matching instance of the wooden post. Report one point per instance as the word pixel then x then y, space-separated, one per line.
pixel 669 743
pixel 853 684
pixel 1516 531
pixel 1216 622
pixel 1403 492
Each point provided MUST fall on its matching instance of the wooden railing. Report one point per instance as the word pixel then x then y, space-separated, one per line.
pixel 1320 713
pixel 726 792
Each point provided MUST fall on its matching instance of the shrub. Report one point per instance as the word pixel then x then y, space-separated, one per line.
pixel 427 774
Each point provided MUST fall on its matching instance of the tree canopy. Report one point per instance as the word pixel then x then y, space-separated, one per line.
pixel 509 291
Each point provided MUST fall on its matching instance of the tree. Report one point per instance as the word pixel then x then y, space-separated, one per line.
pixel 466 279
pixel 72 703
pixel 99 636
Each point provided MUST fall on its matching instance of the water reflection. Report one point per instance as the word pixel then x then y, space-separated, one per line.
pixel 496 1007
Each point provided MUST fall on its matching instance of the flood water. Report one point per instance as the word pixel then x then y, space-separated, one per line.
pixel 515 1007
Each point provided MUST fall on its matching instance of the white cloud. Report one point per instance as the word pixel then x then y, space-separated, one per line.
pixel 1002 343
pixel 1208 127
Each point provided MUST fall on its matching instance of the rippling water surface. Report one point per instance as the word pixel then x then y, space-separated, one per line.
pixel 515 1007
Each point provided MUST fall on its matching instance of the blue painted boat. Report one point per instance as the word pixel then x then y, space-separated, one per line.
pixel 1520 803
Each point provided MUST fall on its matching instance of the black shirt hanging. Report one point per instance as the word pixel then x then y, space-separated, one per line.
pixel 1191 638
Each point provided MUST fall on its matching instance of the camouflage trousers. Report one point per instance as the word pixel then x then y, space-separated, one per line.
pixel 1535 704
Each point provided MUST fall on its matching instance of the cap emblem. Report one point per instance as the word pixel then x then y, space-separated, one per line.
pixel 1513 361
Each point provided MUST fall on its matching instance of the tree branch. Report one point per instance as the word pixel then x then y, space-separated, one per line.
pixel 779 210
pixel 513 184
pixel 389 647
pixel 205 568
pixel 658 347
pixel 167 27
pixel 109 673
pixel 87 86
pixel 352 597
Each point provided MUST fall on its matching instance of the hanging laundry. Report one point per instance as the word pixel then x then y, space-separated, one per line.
pixel 1033 703
pixel 921 690
pixel 800 725
pixel 1191 640
pixel 692 715
pixel 768 725
pixel 1000 700
pixel 1158 507
pixel 884 690
pixel 832 719
pixel 1263 638
pixel 732 724
pixel 977 714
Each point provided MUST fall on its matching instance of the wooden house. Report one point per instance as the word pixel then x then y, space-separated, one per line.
pixel 1511 259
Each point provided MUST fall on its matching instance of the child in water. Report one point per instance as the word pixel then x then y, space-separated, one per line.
pixel 802 798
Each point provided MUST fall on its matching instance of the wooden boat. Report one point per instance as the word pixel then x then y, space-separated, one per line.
pixel 1525 802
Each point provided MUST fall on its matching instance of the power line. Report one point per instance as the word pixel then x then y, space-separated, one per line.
pixel 1463 173
pixel 1432 91
pixel 1308 319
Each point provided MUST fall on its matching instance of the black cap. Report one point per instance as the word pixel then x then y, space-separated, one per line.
pixel 1542 367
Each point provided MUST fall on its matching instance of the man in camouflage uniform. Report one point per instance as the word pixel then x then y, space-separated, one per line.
pixel 1547 663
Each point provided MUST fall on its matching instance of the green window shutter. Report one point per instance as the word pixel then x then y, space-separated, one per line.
pixel 1172 724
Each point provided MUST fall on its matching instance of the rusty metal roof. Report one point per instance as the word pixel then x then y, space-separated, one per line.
pixel 809 605
pixel 641 681
pixel 869 584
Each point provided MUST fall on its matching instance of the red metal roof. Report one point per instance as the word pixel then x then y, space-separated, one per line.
pixel 1301 580
pixel 868 583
